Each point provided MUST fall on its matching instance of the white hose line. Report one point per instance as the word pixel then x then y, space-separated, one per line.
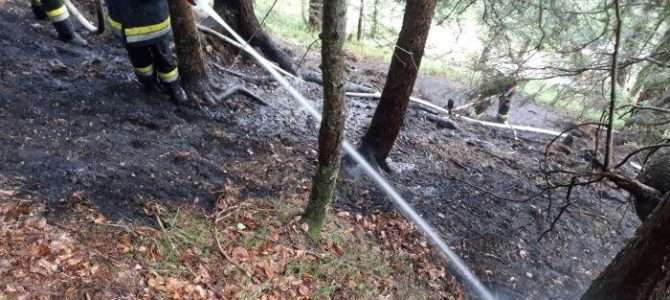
pixel 635 166
pixel 404 207
pixel 84 22
pixel 77 14
pixel 442 110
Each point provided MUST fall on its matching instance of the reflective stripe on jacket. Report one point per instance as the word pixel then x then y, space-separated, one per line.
pixel 139 22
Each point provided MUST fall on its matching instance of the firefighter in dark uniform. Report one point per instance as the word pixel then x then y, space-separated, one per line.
pixel 501 85
pixel 57 13
pixel 144 28
pixel 505 102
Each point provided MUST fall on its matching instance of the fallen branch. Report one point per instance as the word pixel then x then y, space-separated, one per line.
pixel 315 77
pixel 243 76
pixel 226 39
pixel 442 122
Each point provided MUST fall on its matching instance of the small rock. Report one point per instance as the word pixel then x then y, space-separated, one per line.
pixel 57 66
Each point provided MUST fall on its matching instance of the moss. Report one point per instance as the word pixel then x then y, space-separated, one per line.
pixel 323 189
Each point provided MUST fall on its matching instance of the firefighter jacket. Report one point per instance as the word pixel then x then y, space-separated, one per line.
pixel 140 22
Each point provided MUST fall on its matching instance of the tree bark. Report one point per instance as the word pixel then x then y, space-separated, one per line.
pixel 192 67
pixel 332 123
pixel 361 15
pixel 654 174
pixel 315 14
pixel 390 113
pixel 641 270
pixel 241 16
pixel 375 19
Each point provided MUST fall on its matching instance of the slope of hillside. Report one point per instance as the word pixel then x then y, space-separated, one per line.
pixel 113 169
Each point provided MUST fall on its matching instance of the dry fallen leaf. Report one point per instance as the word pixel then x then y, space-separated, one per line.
pixel 303 290
pixel 240 254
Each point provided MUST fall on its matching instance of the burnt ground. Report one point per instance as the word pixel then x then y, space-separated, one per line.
pixel 74 122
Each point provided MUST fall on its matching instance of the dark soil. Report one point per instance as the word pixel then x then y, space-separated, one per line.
pixel 74 122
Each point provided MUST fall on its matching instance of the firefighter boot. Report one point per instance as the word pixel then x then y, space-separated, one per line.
pixel 148 83
pixel 177 93
pixel 67 34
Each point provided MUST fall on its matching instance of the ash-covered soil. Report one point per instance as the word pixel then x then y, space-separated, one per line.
pixel 73 121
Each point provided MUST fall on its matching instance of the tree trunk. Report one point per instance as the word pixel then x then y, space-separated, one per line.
pixel 361 12
pixel 240 15
pixel 332 123
pixel 654 174
pixel 315 11
pixel 641 270
pixel 390 113
pixel 192 67
pixel 375 19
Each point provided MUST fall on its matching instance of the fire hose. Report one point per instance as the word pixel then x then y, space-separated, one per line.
pixel 100 14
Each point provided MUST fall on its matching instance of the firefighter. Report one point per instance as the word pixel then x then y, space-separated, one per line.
pixel 505 102
pixel 144 28
pixel 497 84
pixel 57 13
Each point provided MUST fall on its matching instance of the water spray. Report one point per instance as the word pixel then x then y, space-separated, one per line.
pixel 398 200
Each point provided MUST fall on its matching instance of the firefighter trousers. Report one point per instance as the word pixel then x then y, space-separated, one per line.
pixel 52 9
pixel 154 61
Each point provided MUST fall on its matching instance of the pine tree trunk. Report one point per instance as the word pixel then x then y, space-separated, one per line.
pixel 375 19
pixel 361 12
pixel 315 14
pixel 390 113
pixel 241 16
pixel 332 124
pixel 192 67
pixel 641 270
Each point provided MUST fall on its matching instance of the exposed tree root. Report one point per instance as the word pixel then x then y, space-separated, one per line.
pixel 241 90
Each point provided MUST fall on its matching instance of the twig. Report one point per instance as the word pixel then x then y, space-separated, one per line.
pixel 609 144
pixel 652 147
pixel 243 76
pixel 562 210
pixel 304 56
